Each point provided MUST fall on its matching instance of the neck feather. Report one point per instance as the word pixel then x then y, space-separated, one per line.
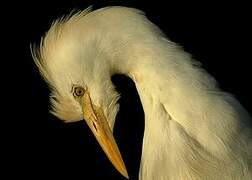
pixel 192 129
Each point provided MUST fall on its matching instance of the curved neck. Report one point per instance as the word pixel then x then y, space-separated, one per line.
pixel 188 120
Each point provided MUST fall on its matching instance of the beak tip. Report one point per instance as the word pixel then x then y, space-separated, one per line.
pixel 125 174
pixel 121 168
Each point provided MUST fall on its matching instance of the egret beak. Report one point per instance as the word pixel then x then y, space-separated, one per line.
pixel 97 122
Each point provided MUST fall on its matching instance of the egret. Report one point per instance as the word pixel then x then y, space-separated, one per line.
pixel 193 130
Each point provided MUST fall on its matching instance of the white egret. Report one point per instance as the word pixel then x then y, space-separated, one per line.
pixel 193 130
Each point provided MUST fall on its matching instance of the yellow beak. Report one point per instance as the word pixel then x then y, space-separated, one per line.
pixel 97 122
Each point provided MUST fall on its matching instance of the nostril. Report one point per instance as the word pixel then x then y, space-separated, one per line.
pixel 94 126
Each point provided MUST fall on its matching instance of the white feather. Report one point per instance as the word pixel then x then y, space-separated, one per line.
pixel 193 130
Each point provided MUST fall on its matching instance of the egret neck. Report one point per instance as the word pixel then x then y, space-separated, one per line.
pixel 183 107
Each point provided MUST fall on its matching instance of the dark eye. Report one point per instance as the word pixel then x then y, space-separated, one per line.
pixel 78 91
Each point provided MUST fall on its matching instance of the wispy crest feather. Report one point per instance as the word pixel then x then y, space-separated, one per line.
pixel 54 33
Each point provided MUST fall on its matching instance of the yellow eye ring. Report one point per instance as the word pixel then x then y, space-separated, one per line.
pixel 78 91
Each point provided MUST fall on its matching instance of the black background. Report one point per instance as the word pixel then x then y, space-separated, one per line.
pixel 38 145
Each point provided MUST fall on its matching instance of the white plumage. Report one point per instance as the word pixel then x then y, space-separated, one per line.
pixel 193 130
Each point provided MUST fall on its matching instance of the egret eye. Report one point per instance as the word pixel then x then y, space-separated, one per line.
pixel 78 91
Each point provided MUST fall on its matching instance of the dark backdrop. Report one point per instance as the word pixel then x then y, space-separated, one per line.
pixel 40 145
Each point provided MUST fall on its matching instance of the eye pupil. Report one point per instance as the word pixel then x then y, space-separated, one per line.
pixel 78 91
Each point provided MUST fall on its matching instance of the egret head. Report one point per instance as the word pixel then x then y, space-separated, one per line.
pixel 81 88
